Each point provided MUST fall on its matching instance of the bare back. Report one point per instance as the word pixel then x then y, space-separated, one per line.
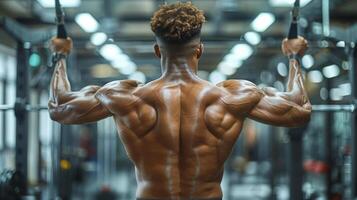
pixel 179 130
pixel 178 135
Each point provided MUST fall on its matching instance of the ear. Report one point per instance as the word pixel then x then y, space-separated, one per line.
pixel 157 50
pixel 200 51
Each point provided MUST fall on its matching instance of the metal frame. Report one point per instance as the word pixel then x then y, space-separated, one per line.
pixel 353 80
pixel 24 38
pixel 22 117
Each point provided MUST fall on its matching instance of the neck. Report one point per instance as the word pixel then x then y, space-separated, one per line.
pixel 179 67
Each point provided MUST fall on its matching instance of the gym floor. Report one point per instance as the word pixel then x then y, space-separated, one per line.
pixel 317 161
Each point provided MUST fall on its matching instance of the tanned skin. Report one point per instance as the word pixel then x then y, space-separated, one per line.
pixel 179 130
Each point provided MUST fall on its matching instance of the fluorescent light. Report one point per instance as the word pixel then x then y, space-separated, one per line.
pixel 87 22
pixel 128 68
pixel 282 69
pixel 138 76
pixel 98 38
pixel 308 61
pixel 331 71
pixel 216 77
pixel 110 51
pixel 252 37
pixel 335 94
pixel 242 51
pixel 345 89
pixel 120 60
pixel 263 21
pixel 341 44
pixel 287 3
pixel 233 60
pixel 64 3
pixel 226 68
pixel 323 93
pixel 315 76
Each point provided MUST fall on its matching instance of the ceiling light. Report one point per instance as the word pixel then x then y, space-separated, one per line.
pixel 98 38
pixel 252 37
pixel 120 60
pixel 87 22
pixel 335 94
pixel 315 76
pixel 331 71
pixel 233 60
pixel 282 69
pixel 128 68
pixel 242 51
pixel 341 44
pixel 138 76
pixel 263 21
pixel 345 89
pixel 110 51
pixel 216 77
pixel 307 61
pixel 64 3
pixel 226 68
pixel 323 93
pixel 287 3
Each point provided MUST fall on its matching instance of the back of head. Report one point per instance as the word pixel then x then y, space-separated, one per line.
pixel 177 23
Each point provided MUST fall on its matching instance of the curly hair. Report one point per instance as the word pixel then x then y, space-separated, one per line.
pixel 178 22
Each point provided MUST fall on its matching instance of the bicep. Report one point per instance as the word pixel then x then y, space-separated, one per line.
pixel 276 109
pixel 78 107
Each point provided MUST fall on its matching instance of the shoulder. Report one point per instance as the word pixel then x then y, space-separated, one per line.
pixel 239 87
pixel 121 86
pixel 117 96
pixel 242 95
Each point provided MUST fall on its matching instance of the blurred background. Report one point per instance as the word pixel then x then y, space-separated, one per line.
pixel 113 40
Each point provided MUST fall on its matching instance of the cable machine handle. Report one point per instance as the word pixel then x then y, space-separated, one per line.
pixel 61 30
pixel 293 31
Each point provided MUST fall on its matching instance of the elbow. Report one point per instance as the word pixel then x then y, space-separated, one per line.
pixel 302 117
pixel 58 114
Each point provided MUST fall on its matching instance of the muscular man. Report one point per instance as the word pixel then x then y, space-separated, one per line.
pixel 178 130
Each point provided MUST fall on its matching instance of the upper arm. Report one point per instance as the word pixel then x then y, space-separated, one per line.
pixel 265 105
pixel 275 108
pixel 77 107
pixel 92 103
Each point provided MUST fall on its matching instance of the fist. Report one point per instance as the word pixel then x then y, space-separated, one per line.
pixel 294 46
pixel 63 46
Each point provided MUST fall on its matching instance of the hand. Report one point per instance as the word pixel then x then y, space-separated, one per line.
pixel 294 46
pixel 63 46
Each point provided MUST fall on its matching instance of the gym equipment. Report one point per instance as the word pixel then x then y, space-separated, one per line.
pixel 293 31
pixel 12 185
pixel 61 30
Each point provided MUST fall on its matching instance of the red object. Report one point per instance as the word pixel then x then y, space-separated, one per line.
pixel 309 165
pixel 321 167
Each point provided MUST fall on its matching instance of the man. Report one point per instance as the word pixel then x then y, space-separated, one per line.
pixel 178 130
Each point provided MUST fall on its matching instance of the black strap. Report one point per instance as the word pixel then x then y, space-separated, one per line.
pixel 293 31
pixel 61 30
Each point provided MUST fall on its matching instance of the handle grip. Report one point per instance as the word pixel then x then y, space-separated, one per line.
pixel 61 31
pixel 293 31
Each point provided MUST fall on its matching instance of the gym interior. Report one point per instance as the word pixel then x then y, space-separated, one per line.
pixel 43 159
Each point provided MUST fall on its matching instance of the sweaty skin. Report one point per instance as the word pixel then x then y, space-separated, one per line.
pixel 179 130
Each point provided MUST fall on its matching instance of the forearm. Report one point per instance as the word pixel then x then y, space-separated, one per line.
pixel 295 90
pixel 60 86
